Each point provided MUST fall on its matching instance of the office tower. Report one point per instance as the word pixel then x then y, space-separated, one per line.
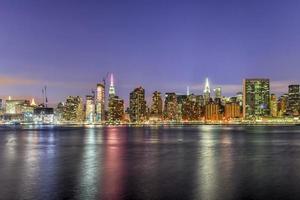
pixel 293 106
pixel 14 106
pixel 59 112
pixel 89 109
pixel 171 107
pixel 115 109
pixel 212 111
pixel 43 115
pixel 256 98
pixel 239 98
pixel 181 100
pixel 156 110
pixel 206 92
pixel 190 108
pixel 73 109
pixel 273 105
pixel 112 91
pixel 218 93
pixel 282 105
pixel 137 105
pixel 100 103
pixel 232 110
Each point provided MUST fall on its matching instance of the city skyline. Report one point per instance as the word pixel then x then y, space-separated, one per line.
pixel 154 44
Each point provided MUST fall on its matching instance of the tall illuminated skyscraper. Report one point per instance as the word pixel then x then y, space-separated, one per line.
pixel 273 105
pixel 100 102
pixel 156 107
pixel 137 105
pixel 73 109
pixel 89 109
pixel 206 92
pixel 171 107
pixel 256 98
pixel 282 105
pixel 293 106
pixel 111 91
pixel 115 104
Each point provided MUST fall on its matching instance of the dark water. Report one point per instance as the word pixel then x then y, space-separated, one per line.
pixel 196 162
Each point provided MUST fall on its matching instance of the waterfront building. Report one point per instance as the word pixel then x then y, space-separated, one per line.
pixel 190 108
pixel 232 110
pixel 212 112
pixel 256 98
pixel 156 109
pixel 15 106
pixel 137 105
pixel 181 101
pixel 171 107
pixel 73 109
pixel 282 105
pixel 115 109
pixel 293 106
pixel 89 109
pixel 100 103
pixel 239 98
pixel 43 115
pixel 206 92
pixel 273 105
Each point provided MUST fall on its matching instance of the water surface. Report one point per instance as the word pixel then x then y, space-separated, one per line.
pixel 183 162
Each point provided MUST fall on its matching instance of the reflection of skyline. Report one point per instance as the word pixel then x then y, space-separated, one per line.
pixel 90 170
pixel 113 169
pixel 144 163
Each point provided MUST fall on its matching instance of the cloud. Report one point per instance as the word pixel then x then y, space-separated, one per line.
pixel 15 81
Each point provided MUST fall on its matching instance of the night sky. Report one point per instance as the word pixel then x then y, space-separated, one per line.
pixel 159 44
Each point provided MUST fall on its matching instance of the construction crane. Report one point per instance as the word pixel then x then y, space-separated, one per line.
pixel 45 98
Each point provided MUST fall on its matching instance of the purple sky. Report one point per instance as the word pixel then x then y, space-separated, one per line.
pixel 159 44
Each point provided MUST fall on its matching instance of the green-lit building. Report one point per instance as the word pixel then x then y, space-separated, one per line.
pixel 256 98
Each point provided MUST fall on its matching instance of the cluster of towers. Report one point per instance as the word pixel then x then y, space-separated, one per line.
pixel 255 102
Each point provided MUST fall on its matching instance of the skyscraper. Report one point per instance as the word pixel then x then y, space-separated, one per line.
pixel 232 110
pixel 273 105
pixel 115 104
pixel 115 109
pixel 256 98
pixel 112 91
pixel 171 107
pixel 89 109
pixel 100 102
pixel 137 105
pixel 206 92
pixel 218 93
pixel 73 109
pixel 157 105
pixel 212 111
pixel 293 106
pixel 282 105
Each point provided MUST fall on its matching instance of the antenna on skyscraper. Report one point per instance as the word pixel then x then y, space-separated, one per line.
pixel 46 98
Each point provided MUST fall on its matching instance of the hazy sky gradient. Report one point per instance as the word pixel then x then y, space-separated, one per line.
pixel 159 44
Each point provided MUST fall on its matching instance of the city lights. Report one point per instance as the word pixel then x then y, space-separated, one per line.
pixel 254 105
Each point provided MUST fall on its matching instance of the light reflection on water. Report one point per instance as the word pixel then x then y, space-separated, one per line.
pixel 194 162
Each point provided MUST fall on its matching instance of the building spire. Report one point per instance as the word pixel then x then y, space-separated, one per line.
pixel 111 91
pixel 206 87
pixel 111 80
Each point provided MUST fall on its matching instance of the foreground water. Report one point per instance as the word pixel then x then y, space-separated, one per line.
pixel 191 162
